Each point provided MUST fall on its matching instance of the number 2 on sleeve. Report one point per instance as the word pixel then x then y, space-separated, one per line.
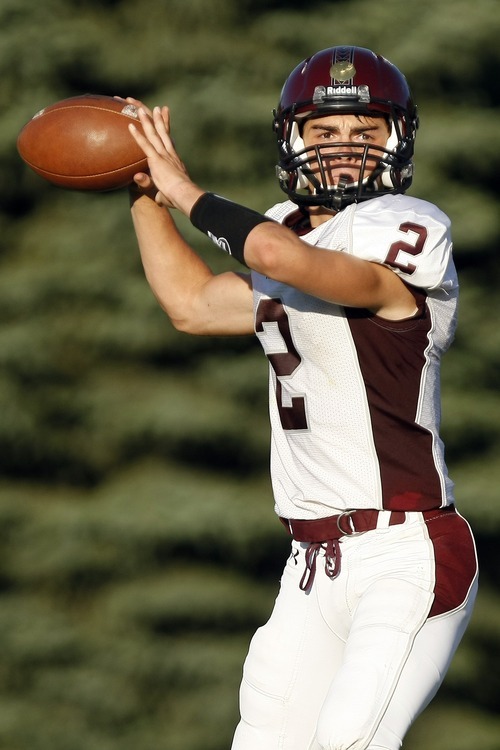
pixel 413 245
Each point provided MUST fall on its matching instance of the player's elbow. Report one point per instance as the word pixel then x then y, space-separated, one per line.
pixel 193 325
pixel 182 318
pixel 183 325
pixel 265 249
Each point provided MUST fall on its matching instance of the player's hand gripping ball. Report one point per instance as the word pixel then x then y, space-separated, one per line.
pixel 83 143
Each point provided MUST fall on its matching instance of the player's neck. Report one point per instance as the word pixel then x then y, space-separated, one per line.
pixel 319 214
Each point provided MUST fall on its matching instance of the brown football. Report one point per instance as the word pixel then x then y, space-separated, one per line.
pixel 83 143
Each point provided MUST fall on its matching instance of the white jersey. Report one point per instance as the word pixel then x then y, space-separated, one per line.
pixel 354 398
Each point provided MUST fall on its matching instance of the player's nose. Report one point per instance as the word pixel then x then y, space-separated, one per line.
pixel 343 152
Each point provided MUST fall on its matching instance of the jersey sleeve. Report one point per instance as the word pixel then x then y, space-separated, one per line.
pixel 410 236
pixel 280 211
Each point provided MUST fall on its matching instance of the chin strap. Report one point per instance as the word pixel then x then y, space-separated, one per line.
pixel 337 198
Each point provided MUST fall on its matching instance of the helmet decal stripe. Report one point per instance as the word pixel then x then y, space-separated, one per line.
pixel 342 68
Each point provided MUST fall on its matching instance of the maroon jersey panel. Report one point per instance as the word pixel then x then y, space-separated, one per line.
pixel 392 358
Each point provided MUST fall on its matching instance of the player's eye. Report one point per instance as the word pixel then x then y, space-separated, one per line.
pixel 325 135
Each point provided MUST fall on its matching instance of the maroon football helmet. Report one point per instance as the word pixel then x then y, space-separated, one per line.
pixel 345 80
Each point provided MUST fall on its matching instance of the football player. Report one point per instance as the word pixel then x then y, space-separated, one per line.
pixel 352 292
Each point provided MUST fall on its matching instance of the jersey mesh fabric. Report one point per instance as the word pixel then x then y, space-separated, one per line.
pixel 367 389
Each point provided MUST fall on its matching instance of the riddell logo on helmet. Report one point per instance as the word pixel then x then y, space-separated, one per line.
pixel 362 93
pixel 335 90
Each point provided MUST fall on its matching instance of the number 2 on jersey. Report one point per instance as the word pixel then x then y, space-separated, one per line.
pixel 417 236
pixel 284 363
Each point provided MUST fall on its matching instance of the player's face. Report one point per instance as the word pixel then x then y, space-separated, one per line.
pixel 339 136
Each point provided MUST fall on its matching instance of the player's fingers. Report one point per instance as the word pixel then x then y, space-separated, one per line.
pixel 142 141
pixel 165 113
pixel 140 105
pixel 151 143
pixel 143 180
pixel 162 201
pixel 154 128
pixel 166 117
pixel 135 102
pixel 161 121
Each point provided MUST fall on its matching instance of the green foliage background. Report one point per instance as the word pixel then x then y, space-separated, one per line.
pixel 139 549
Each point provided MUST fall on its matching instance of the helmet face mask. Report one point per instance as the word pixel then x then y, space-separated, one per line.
pixel 340 81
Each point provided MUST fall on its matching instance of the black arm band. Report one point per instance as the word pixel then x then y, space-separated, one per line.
pixel 226 223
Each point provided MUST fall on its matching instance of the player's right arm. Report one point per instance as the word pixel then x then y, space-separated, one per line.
pixel 272 249
pixel 196 300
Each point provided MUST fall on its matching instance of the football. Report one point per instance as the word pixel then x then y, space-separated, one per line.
pixel 83 143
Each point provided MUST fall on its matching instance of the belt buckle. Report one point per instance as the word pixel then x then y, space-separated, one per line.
pixel 351 530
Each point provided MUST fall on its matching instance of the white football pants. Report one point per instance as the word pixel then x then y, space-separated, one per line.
pixel 351 663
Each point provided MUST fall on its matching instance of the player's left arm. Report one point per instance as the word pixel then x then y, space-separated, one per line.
pixel 274 251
